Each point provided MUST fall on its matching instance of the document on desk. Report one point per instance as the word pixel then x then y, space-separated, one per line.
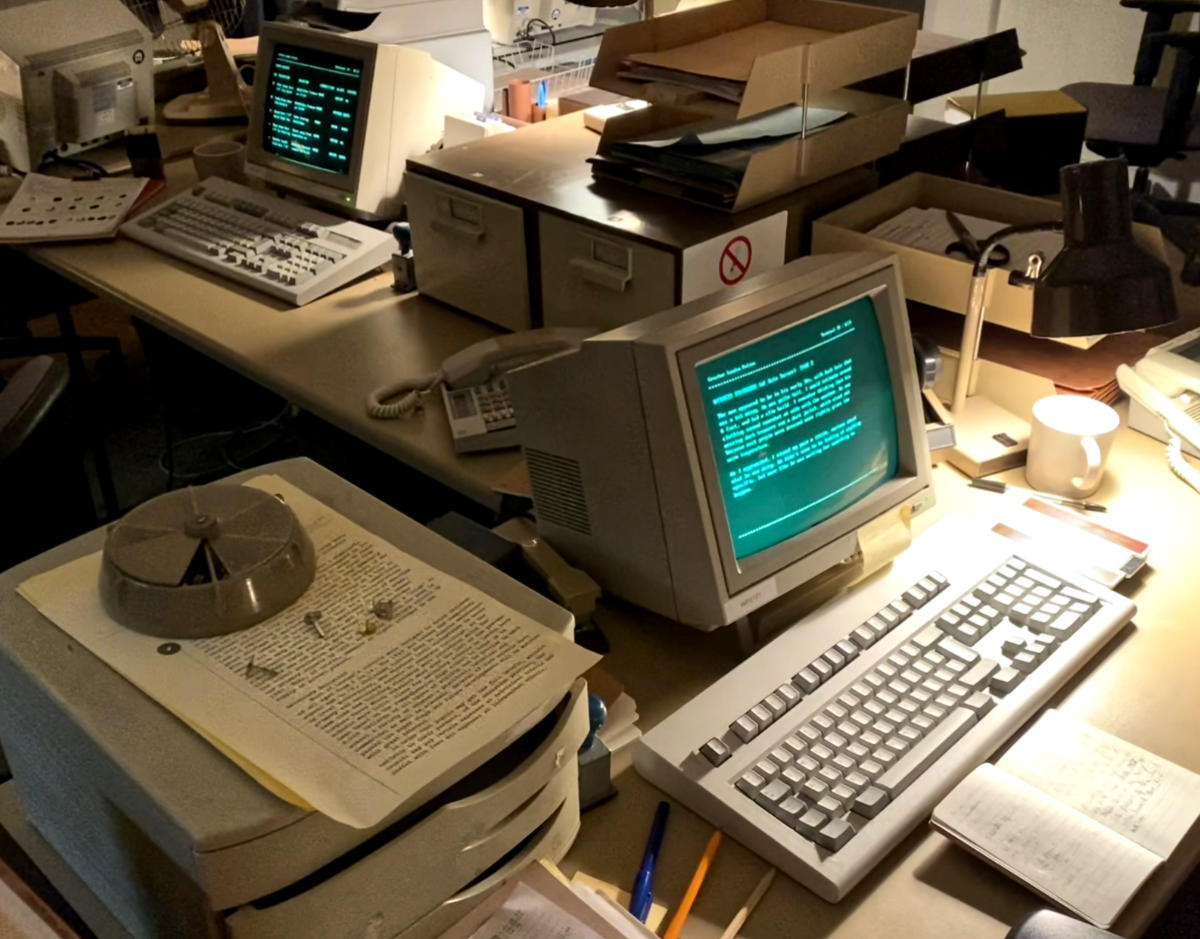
pixel 1079 816
pixel 378 712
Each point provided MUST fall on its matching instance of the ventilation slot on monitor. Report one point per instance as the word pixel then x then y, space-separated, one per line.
pixel 558 490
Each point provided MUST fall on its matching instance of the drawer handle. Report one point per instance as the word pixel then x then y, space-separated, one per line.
pixel 602 275
pixel 456 226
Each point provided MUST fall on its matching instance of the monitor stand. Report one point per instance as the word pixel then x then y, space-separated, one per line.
pixel 879 543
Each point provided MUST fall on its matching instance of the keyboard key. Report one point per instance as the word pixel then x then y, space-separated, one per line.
pixel 811 822
pixel 715 751
pixel 863 637
pixel 780 756
pixel 745 728
pixel 767 769
pixel 789 695
pixel 829 806
pixel 918 759
pixel 794 745
pixel 761 714
pixel 775 705
pixel 789 810
pixel 807 680
pixel 793 776
pixel 750 782
pixel 834 658
pixel 772 793
pixel 870 801
pixel 834 835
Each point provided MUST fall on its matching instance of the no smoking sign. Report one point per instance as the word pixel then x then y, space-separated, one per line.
pixel 735 260
pixel 732 256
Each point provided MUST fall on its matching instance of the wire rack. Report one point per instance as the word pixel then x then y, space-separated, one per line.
pixel 563 78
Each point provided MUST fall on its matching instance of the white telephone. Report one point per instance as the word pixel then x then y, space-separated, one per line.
pixel 474 386
pixel 1165 390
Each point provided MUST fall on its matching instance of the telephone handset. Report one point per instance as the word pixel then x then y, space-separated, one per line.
pixel 474 386
pixel 1166 382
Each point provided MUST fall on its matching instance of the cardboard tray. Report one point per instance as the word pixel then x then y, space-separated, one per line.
pixel 944 281
pixel 875 128
pixel 813 45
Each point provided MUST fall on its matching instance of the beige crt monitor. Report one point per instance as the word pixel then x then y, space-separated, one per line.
pixel 335 118
pixel 706 460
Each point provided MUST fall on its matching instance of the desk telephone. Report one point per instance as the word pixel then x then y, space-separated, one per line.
pixel 475 387
pixel 1166 382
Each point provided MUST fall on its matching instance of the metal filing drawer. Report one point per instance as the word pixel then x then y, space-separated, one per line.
pixel 590 278
pixel 454 228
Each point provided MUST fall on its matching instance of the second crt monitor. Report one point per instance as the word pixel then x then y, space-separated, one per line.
pixel 706 460
pixel 336 118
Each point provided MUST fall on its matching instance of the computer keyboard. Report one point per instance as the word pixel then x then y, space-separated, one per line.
pixel 261 241
pixel 822 750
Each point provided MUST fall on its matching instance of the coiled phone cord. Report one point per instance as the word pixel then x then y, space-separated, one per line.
pixel 407 395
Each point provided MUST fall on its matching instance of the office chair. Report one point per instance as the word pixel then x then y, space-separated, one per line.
pixel 45 497
pixel 1149 125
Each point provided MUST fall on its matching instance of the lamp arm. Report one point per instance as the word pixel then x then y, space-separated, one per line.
pixel 973 320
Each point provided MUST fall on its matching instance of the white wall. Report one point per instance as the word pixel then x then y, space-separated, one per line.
pixel 1064 40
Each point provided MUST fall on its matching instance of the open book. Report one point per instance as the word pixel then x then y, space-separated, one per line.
pixel 1079 816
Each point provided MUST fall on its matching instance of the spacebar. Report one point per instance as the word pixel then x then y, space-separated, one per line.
pixel 917 760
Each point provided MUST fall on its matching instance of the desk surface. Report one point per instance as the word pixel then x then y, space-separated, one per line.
pixel 324 357
pixel 1141 687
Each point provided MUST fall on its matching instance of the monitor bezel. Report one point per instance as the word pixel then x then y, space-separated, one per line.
pixel 742 574
pixel 274 35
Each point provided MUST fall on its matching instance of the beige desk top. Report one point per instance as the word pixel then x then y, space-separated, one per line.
pixel 324 357
pixel 1142 687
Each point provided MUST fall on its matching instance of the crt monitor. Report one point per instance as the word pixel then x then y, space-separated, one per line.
pixel 706 460
pixel 335 118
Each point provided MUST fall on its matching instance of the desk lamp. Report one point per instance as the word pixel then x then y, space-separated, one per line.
pixel 1100 282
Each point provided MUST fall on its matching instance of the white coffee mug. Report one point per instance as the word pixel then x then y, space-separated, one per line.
pixel 220 157
pixel 1069 442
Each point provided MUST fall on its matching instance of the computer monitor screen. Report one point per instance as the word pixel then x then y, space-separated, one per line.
pixel 801 423
pixel 709 459
pixel 312 107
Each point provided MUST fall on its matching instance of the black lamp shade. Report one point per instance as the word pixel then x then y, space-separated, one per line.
pixel 1101 281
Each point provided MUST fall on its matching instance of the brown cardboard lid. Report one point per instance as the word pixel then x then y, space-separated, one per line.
pixel 731 55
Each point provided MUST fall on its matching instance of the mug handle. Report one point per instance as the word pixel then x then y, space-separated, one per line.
pixel 1091 477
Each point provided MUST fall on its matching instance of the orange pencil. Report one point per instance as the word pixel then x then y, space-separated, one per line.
pixel 689 895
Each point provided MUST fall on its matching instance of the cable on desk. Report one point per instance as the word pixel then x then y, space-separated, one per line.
pixel 1179 466
pixel 408 394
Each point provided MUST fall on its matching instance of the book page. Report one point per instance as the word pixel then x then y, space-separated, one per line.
pixel 1061 854
pixel 1149 800
pixel 367 712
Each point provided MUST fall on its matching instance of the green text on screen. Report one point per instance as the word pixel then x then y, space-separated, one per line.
pixel 312 106
pixel 802 424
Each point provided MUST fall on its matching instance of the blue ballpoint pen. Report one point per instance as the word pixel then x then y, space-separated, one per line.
pixel 643 896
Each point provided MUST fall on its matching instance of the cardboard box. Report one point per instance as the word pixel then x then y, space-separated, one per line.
pixel 816 45
pixel 941 280
pixel 875 129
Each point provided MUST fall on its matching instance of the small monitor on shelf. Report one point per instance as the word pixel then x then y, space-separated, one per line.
pixel 335 118
pixel 706 460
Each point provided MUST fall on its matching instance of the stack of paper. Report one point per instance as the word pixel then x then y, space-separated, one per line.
pixel 370 712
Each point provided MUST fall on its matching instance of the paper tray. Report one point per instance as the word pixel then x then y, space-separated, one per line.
pixel 874 128
pixel 830 45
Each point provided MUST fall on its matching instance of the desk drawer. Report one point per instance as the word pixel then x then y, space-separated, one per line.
pixel 469 251
pixel 590 278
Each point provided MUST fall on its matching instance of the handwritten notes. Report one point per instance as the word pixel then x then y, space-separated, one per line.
pixel 1080 816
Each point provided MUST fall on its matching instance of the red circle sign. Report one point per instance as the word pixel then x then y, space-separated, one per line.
pixel 735 260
